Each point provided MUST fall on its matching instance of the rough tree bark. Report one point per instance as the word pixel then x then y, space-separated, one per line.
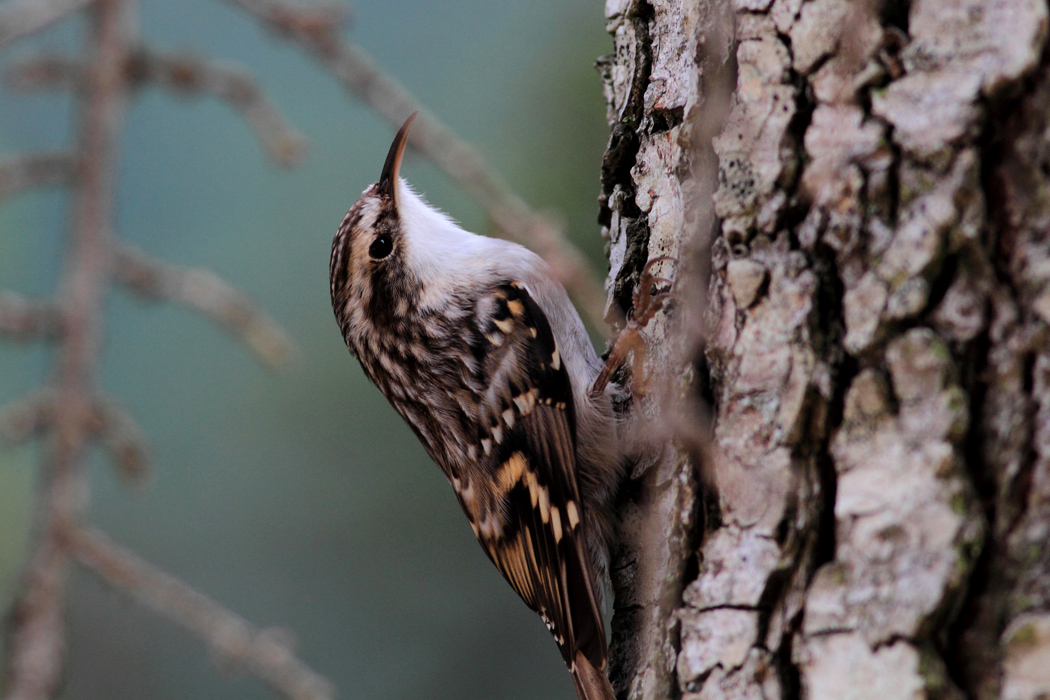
pixel 858 195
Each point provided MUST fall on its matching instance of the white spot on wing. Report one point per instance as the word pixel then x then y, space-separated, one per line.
pixel 467 495
pixel 526 402
pixel 556 523
pixel 545 504
pixel 534 487
pixel 490 527
pixel 572 514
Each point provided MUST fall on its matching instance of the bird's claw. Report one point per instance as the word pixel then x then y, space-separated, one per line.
pixel 650 295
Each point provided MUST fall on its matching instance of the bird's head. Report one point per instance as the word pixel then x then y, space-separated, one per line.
pixel 368 270
pixel 395 256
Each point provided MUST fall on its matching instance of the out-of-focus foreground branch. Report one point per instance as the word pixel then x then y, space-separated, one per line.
pixel 267 653
pixel 70 412
pixel 20 18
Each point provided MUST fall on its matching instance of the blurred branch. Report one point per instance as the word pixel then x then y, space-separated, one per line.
pixel 24 319
pixel 44 73
pixel 36 631
pixel 122 438
pixel 206 293
pixel 71 408
pixel 267 653
pixel 33 170
pixel 291 19
pixel 183 75
pixel 27 417
pixel 20 18
pixel 189 75
pixel 34 414
pixel 510 214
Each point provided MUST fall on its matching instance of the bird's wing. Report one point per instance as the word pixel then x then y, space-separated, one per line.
pixel 530 521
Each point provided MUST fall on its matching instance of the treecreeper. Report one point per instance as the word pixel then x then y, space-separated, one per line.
pixel 478 347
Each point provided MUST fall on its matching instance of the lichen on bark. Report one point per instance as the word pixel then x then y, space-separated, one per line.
pixel 864 243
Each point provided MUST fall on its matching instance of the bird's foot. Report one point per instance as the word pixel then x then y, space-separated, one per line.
pixel 649 297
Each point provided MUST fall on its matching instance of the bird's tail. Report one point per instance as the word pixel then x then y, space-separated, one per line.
pixel 591 683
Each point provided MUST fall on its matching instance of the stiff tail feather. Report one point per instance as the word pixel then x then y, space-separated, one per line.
pixel 591 683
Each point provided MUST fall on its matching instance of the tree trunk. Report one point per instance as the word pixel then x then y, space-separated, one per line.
pixel 858 198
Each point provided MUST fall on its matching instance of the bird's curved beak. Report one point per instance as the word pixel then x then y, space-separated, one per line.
pixel 388 180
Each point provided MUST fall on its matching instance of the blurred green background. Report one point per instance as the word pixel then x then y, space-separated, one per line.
pixel 298 499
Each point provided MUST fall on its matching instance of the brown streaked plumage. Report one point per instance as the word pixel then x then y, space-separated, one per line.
pixel 480 350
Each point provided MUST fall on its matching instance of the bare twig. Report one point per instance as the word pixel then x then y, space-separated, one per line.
pixel 33 414
pixel 71 409
pixel 183 75
pixel 20 18
pixel 34 170
pixel 36 642
pixel 191 75
pixel 27 417
pixel 508 212
pixel 122 437
pixel 44 72
pixel 267 653
pixel 24 319
pixel 206 293
pixel 319 19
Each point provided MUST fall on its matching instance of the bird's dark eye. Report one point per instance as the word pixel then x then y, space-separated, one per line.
pixel 381 247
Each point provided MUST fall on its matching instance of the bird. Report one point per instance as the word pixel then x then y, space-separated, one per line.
pixel 477 345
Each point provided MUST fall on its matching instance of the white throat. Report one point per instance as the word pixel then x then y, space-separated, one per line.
pixel 437 250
